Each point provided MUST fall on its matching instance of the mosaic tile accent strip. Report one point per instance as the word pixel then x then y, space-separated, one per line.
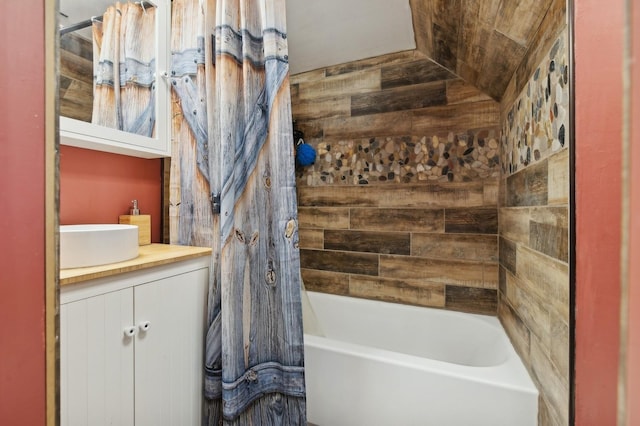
pixel 537 124
pixel 454 158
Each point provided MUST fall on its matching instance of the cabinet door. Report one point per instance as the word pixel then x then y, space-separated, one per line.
pixel 96 361
pixel 169 354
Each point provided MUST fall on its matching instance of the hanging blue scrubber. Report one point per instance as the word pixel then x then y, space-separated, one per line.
pixel 305 155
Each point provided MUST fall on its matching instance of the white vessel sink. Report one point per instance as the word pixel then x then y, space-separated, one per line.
pixel 92 245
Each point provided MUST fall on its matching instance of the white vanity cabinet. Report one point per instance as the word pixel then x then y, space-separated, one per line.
pixel 132 347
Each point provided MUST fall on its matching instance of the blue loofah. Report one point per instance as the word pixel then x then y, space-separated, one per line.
pixel 305 155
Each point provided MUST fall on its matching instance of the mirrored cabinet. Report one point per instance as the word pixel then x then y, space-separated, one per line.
pixel 114 94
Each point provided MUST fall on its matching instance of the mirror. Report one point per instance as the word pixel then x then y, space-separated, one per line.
pixel 111 57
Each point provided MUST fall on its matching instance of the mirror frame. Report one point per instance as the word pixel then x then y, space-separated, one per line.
pixel 91 136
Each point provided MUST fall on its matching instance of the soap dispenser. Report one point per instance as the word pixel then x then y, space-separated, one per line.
pixel 142 221
pixel 134 208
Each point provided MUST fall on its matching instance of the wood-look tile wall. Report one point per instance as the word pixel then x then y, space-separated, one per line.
pixel 398 118
pixel 404 235
pixel 534 235
pixel 439 252
pixel 76 77
pixel 485 41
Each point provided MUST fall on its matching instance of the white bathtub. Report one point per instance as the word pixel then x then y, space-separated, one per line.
pixel 395 365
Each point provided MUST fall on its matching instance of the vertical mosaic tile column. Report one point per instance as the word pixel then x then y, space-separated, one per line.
pixel 537 124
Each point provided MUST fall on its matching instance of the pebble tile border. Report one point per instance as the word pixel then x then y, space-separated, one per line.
pixel 452 158
pixel 537 124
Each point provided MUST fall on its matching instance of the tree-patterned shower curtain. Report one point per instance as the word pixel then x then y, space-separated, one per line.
pixel 233 188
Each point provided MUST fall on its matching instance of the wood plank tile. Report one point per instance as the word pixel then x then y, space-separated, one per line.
pixel 325 281
pixel 368 241
pixel 341 85
pixel 469 194
pixel 508 254
pixel 295 91
pixel 481 248
pixel 502 193
pixel 461 273
pixel 445 28
pixel 76 67
pixel 76 45
pixel 412 73
pixel 399 99
pixel 502 59
pixel 546 277
pixel 549 232
pixel 529 186
pixel 445 45
pixel 77 101
pixel 418 293
pixel 559 177
pixel 454 118
pixel 345 262
pixel 461 92
pixel 491 191
pixel 375 62
pixel 510 287
pixel 305 77
pixel 313 129
pixel 553 25
pixel 323 217
pixel 468 72
pixel 554 389
pixel 518 332
pixel 474 300
pixel 477 18
pixel 397 219
pixel 509 97
pixel 421 14
pixel 514 224
pixel 311 238
pixel 323 196
pixel 502 281
pixel 447 13
pixel 560 345
pixel 533 311
pixel 430 196
pixel 321 108
pixel 473 44
pixel 471 220
pixel 519 20
pixel 374 125
pixel 490 275
pixel 64 84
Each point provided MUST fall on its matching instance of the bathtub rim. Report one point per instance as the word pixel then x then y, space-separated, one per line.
pixel 509 374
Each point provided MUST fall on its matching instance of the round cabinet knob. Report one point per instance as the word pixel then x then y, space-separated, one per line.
pixel 130 331
pixel 144 325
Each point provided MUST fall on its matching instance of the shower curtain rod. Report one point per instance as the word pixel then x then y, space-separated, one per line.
pixel 88 22
pixel 79 25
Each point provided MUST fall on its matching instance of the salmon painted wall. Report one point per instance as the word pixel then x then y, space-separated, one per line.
pixel 97 187
pixel 633 348
pixel 599 30
pixel 22 213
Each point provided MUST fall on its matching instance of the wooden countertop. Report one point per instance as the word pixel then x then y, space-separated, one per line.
pixel 148 257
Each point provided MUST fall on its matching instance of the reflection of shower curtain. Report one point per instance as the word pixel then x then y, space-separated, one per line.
pixel 233 188
pixel 123 96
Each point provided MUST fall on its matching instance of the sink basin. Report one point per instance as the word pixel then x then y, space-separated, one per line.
pixel 92 245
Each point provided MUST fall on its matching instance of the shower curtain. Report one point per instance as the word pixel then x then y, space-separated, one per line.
pixel 124 68
pixel 232 187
